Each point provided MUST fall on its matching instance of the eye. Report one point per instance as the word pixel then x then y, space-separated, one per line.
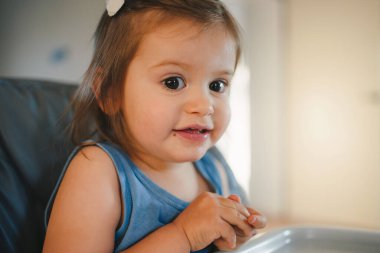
pixel 218 86
pixel 174 83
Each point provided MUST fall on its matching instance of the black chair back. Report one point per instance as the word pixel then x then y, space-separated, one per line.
pixel 34 146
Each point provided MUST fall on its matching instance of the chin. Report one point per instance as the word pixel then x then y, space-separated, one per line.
pixel 190 155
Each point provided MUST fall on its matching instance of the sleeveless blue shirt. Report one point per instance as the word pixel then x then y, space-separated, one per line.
pixel 146 205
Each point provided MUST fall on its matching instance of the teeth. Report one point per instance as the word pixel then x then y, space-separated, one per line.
pixel 201 131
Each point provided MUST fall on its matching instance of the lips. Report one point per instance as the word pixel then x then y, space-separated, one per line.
pixel 194 133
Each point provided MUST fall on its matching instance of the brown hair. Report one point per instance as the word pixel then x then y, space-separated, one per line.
pixel 97 102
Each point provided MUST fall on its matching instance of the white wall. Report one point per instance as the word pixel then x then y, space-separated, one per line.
pixel 47 39
pixel 265 50
pixel 236 142
pixel 261 21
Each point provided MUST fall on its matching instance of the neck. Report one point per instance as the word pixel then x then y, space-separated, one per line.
pixel 180 179
pixel 152 164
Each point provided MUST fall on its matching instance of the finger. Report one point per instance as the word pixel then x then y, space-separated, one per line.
pixel 242 239
pixel 253 211
pixel 235 198
pixel 232 204
pixel 257 221
pixel 227 237
pixel 223 245
pixel 239 221
pixel 249 233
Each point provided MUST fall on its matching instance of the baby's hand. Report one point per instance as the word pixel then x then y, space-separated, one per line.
pixel 255 220
pixel 212 217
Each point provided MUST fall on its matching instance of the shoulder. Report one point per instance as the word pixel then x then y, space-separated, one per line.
pixel 92 155
pixel 91 162
pixel 87 206
pixel 92 168
pixel 91 171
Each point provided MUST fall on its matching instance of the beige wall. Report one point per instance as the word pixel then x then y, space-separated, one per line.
pixel 315 109
pixel 332 92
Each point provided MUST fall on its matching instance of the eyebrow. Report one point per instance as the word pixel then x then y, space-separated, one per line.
pixel 187 66
pixel 171 62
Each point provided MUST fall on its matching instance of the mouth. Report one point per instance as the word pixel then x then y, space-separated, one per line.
pixel 194 130
pixel 196 133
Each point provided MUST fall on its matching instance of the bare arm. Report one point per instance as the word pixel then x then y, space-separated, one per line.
pixel 165 239
pixel 87 211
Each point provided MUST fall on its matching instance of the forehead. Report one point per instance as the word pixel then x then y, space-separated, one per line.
pixel 151 20
pixel 187 40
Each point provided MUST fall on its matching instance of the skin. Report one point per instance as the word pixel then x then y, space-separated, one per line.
pixel 170 52
pixel 87 209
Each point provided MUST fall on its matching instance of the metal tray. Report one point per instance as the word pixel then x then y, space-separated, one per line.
pixel 314 240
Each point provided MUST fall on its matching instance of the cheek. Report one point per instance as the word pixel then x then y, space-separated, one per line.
pixel 223 117
pixel 148 117
pixel 139 117
pixel 227 116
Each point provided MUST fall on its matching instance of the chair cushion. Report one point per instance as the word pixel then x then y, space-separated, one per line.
pixel 33 149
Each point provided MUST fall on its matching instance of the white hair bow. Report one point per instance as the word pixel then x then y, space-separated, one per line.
pixel 113 6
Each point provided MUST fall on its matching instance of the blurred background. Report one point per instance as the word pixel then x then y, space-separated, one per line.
pixel 304 140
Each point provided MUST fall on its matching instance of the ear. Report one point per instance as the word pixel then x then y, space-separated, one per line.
pixel 105 102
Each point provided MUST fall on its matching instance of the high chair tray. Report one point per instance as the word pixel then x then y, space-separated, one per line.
pixel 314 240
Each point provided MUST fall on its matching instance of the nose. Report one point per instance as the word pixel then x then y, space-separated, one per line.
pixel 199 102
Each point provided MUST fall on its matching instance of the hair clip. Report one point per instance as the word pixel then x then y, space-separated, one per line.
pixel 113 6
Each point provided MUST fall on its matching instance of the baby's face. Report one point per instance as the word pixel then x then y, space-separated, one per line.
pixel 177 91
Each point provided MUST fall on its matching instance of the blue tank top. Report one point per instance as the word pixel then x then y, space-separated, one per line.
pixel 146 205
